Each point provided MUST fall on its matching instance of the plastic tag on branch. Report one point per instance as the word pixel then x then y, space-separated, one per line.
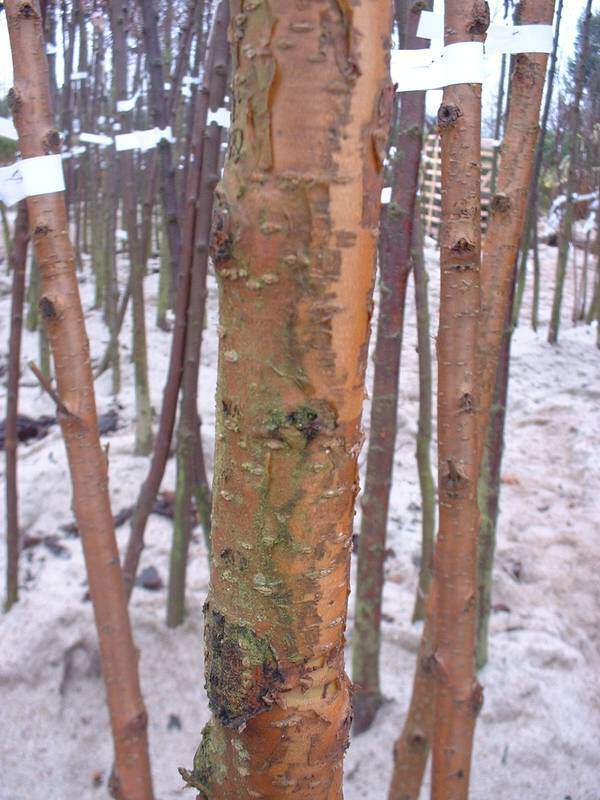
pixel 221 116
pixel 8 130
pixel 31 177
pixel 432 68
pixel 96 138
pixel 143 140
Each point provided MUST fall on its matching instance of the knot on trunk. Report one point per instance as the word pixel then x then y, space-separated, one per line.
pixel 476 699
pixel 47 308
pixel 448 115
pixel 463 246
pixel 480 18
pixel 526 70
pixel 501 203
pixel 14 100
pixel 26 10
pixel 51 141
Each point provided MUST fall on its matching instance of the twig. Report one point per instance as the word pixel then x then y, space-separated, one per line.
pixel 47 387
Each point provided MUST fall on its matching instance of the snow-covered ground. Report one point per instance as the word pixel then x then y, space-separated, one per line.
pixel 538 733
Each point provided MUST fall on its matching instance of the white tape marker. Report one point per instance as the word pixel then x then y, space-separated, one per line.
pixel 221 116
pixel 31 177
pixel 128 105
pixel 499 39
pixel 520 39
pixel 79 76
pixel 419 70
pixel 8 130
pixel 386 195
pixel 96 138
pixel 143 140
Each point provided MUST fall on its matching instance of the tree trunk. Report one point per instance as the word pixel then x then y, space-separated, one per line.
pixel 458 696
pixel 424 434
pixel 532 211
pixel 61 307
pixel 294 246
pixel 215 85
pixel 504 234
pixel 120 21
pixel 159 113
pixel 151 485
pixel 395 264
pixel 566 227
pixel 18 257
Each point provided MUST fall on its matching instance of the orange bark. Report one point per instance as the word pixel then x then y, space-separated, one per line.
pixel 457 693
pixel 63 317
pixel 509 205
pixel 294 246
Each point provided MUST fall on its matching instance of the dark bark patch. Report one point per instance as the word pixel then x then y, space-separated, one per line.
pixel 448 115
pixel 47 308
pixel 51 141
pixel 476 699
pixel 466 404
pixel 242 674
pixel 14 100
pixel 26 10
pixel 463 246
pixel 454 481
pixel 480 18
pixel 41 231
pixel 500 203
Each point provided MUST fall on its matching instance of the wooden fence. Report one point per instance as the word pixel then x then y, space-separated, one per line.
pixel 431 183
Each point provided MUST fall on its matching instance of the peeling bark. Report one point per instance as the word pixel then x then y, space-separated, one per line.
pixel 294 242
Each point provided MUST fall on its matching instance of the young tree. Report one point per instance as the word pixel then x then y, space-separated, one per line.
pixel 207 147
pixel 395 264
pixel 458 695
pixel 63 315
pixel 505 229
pixel 18 259
pixel 294 244
pixel 566 227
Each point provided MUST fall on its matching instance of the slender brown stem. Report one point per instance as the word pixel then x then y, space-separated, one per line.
pixel 64 319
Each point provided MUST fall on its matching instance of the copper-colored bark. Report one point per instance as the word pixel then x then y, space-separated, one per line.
pixel 509 205
pixel 508 215
pixel 63 317
pixel 457 693
pixel 294 247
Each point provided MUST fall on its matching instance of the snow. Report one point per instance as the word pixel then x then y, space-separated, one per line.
pixel 538 731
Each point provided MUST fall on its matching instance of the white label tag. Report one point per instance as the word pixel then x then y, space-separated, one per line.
pixel 221 116
pixel 143 140
pixel 386 195
pixel 431 68
pixel 499 39
pixel 96 138
pixel 128 105
pixel 31 177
